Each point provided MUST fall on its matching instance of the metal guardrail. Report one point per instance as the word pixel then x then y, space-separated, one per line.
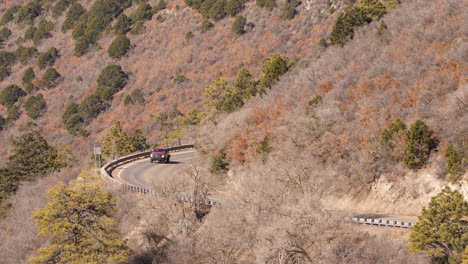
pixel 380 222
pixel 107 169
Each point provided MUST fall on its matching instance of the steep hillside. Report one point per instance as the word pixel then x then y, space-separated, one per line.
pixel 302 113
pixel 157 55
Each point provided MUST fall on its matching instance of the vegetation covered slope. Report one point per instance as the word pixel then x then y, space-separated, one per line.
pixel 385 102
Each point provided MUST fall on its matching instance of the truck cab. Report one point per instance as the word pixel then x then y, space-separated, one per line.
pixel 160 155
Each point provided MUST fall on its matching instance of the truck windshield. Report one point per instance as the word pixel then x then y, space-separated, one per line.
pixel 158 150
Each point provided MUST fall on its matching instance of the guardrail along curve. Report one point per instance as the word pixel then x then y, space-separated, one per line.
pixel 107 169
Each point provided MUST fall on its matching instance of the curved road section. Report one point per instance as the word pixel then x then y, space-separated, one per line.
pixel 143 174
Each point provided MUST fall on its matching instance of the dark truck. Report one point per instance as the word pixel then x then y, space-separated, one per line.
pixel 160 154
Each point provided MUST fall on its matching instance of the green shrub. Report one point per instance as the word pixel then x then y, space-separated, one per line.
pixel 454 164
pixel 180 79
pixel 5 71
pixel 135 97
pixel 119 46
pixel 8 16
pixel 233 7
pixel 382 28
pixel 323 43
pixel 27 13
pixel 30 32
pixel 267 4
pixel 245 84
pixel 10 95
pixel 289 10
pixel 312 104
pixel 2 122
pixel 192 118
pixel 34 106
pixel 71 118
pixel 105 92
pixel 78 30
pixel 143 12
pixel 387 135
pixel 73 16
pixel 87 31
pixel 219 164
pixel 47 58
pixel 418 143
pixel 123 25
pixel 159 18
pixel 12 114
pixel 112 76
pixel 216 10
pixel 27 79
pixel 5 33
pixel 91 106
pixel 43 31
pixel 264 148
pixel 206 25
pixel 222 97
pixel 24 54
pixel 441 231
pixel 7 58
pixel 374 8
pixel 138 141
pixel 138 28
pixel 238 25
pixel 81 47
pixel 110 81
pixel 272 68
pixel 354 17
pixel 60 7
pixel 189 35
pixel 50 78
pixel 160 6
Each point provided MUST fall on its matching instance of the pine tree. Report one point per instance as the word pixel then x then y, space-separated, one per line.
pixel 33 156
pixel 79 222
pixel 34 106
pixel 219 163
pixel 418 145
pixel 73 16
pixel 442 229
pixel 138 141
pixel 272 68
pixel 454 164
pixel 264 148
pixel 119 47
pixel 123 25
pixel 50 78
pixel 27 79
pixel 10 95
pixel 213 93
pixel 382 28
pixel 238 25
pixel 245 84
pixel 2 122
pixel 116 143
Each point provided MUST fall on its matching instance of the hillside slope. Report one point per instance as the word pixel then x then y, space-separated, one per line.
pixel 362 126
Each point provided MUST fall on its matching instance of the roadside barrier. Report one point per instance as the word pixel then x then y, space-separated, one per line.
pixel 380 222
pixel 106 173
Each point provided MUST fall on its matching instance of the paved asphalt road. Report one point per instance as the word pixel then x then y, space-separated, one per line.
pixel 142 173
